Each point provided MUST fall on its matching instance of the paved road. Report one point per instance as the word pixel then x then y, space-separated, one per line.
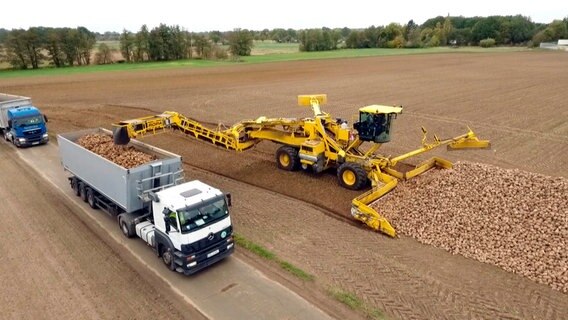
pixel 229 290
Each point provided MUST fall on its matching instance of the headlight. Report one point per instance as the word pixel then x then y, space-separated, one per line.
pixel 45 136
pixel 22 139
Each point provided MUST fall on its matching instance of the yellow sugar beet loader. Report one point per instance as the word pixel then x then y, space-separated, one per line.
pixel 317 144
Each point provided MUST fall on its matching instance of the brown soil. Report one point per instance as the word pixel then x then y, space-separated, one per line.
pixel 514 99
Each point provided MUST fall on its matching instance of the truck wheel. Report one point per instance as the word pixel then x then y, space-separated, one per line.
pixel 75 186
pixel 83 191
pixel 125 226
pixel 168 258
pixel 287 158
pixel 351 176
pixel 91 198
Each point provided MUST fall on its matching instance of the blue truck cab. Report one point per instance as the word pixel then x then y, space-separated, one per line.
pixel 21 123
pixel 27 126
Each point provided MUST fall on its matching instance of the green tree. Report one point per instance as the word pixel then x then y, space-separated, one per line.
pixel 24 47
pixel 353 40
pixel 85 44
pixel 278 35
pixel 33 43
pixel 215 36
pixel 54 47
pixel 371 37
pixel 16 53
pixel 69 39
pixel 447 29
pixel 389 34
pixel 409 28
pixel 141 44
pixel 3 34
pixel 240 42
pixel 202 46
pixel 554 31
pixel 104 54
pixel 486 28
pixel 291 35
pixel 127 45
pixel 162 43
pixel 521 29
pixel 432 22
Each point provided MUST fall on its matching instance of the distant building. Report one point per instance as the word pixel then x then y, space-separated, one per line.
pixel 562 44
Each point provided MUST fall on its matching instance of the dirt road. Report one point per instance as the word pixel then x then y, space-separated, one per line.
pixel 514 99
pixel 52 266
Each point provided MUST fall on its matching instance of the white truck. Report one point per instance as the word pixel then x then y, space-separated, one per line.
pixel 187 224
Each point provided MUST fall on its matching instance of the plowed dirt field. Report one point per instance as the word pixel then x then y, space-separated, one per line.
pixel 517 100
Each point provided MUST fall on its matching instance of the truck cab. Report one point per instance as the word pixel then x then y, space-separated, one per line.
pixel 192 226
pixel 26 127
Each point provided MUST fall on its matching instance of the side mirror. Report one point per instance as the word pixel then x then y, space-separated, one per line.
pixel 228 195
pixel 45 118
pixel 166 213
pixel 167 223
pixel 9 123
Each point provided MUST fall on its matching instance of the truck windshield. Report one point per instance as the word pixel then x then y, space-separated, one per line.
pixel 27 121
pixel 192 219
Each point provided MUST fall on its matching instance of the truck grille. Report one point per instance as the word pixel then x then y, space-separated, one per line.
pixel 32 132
pixel 205 243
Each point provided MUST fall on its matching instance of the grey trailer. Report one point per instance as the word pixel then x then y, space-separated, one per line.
pixel 128 189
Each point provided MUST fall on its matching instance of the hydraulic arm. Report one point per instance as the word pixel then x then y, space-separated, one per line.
pixel 317 144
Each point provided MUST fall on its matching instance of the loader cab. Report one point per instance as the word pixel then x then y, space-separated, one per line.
pixel 375 123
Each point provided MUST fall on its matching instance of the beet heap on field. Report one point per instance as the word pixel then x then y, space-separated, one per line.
pixel 103 145
pixel 514 219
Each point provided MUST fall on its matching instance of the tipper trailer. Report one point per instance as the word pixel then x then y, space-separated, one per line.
pixel 186 223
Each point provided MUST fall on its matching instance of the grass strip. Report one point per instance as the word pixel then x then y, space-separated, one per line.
pixel 355 303
pixel 271 256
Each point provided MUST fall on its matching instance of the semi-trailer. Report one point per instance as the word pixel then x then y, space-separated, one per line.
pixel 187 224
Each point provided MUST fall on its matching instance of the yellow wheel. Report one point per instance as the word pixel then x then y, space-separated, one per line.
pixel 349 177
pixel 287 158
pixel 284 159
pixel 352 176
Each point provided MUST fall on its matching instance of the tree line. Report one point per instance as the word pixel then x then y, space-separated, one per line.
pixel 439 31
pixel 62 47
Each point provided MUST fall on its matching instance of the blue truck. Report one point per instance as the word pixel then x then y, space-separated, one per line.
pixel 20 122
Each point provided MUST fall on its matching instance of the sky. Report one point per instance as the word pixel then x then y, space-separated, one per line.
pixel 223 15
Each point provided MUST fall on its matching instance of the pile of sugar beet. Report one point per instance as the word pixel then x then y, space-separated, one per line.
pixel 510 218
pixel 125 156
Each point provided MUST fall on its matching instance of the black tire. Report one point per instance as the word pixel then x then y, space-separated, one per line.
pixel 351 176
pixel 168 257
pixel 75 186
pixel 91 198
pixel 83 191
pixel 287 158
pixel 126 226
